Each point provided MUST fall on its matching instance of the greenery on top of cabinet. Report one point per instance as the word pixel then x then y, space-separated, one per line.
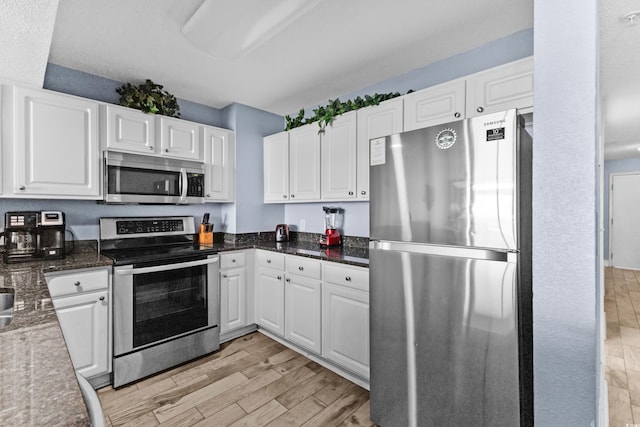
pixel 324 115
pixel 149 97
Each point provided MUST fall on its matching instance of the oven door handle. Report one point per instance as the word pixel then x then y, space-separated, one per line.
pixel 166 267
pixel 184 184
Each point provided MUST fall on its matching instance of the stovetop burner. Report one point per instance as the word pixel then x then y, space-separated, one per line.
pixel 150 239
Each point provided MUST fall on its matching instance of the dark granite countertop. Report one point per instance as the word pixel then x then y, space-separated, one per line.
pixel 39 386
pixel 38 382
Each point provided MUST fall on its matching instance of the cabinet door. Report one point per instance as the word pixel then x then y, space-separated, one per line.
pixel 501 88
pixel 220 163
pixel 270 300
pixel 128 130
pixel 304 163
pixel 338 158
pixel 180 139
pixel 233 297
pixel 375 122
pixel 276 167
pixel 302 312
pixel 84 320
pixel 55 145
pixel 434 105
pixel 345 327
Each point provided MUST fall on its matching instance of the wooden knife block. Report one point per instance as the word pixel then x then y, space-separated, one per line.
pixel 205 237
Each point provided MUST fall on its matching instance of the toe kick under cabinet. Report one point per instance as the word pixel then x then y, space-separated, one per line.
pixel 82 303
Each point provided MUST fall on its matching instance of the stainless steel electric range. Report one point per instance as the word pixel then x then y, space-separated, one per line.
pixel 165 294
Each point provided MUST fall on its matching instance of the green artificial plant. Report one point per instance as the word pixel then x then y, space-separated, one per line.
pixel 149 98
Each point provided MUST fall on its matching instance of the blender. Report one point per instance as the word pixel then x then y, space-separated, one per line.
pixel 332 220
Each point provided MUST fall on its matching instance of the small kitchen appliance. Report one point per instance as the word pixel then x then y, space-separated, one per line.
pixel 332 221
pixel 282 233
pixel 33 235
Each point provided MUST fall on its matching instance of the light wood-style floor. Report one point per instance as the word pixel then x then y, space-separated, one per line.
pixel 622 346
pixel 250 381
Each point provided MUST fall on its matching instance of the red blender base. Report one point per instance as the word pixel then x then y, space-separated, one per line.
pixel 331 237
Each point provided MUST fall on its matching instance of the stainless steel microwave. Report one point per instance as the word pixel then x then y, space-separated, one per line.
pixel 134 178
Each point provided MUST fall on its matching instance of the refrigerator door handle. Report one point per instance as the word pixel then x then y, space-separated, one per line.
pixel 457 251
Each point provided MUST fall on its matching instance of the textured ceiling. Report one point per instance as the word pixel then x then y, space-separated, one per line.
pixel 338 47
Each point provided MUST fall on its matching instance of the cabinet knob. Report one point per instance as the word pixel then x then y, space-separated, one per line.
pixel 224 276
pixel 22 188
pixel 268 261
pixel 151 147
pixel 456 115
pixel 301 268
pixel 293 195
pixel 279 277
pixel 101 298
pixel 284 196
pixel 348 279
pixel 208 195
pixel 77 283
pixel 351 193
pixel 233 260
pixel 287 279
pixel 480 109
pixel 166 150
pixel 363 192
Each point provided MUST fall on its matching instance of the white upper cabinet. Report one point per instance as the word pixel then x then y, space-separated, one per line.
pixel 375 122
pixel 179 138
pixel 51 147
pixel 220 163
pixel 338 158
pixel 276 167
pixel 501 88
pixel 125 129
pixel 437 104
pixel 304 163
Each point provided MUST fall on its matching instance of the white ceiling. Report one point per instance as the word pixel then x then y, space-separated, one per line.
pixel 337 47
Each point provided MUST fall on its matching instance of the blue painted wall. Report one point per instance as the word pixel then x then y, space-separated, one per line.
pixel 498 52
pixel 611 167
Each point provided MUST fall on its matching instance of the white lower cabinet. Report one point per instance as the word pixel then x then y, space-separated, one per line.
pixel 82 303
pixel 345 317
pixel 270 294
pixel 233 286
pixel 302 302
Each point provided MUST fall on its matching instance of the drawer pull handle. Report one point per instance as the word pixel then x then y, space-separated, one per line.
pixel 287 279
pixel 301 268
pixel 268 261
pixel 101 298
pixel 77 283
pixel 348 279
pixel 279 277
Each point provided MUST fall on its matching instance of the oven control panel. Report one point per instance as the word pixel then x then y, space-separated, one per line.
pixel 149 226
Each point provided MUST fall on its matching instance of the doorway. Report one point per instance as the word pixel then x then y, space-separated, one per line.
pixel 624 220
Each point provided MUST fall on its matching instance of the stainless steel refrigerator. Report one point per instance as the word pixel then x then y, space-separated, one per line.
pixel 450 275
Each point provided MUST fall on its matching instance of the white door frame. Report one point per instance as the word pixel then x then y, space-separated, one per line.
pixel 611 176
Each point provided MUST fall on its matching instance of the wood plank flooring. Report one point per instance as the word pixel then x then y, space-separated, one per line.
pixel 251 381
pixel 622 345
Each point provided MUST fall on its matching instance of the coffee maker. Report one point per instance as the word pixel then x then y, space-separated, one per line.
pixel 34 235
pixel 332 221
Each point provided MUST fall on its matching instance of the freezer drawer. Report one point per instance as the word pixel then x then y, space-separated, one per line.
pixel 444 340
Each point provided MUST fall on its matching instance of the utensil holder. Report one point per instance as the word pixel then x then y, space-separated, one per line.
pixel 205 237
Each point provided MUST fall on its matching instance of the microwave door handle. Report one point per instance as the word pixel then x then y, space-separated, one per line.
pixel 183 185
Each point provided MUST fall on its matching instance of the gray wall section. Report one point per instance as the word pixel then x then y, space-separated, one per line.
pixel 79 83
pixel 612 167
pixel 566 299
pixel 249 211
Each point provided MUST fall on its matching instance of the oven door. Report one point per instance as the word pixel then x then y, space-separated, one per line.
pixel 158 303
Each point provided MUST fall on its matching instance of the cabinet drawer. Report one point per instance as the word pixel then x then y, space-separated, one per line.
pixel 74 283
pixel 271 260
pixel 352 277
pixel 304 267
pixel 231 260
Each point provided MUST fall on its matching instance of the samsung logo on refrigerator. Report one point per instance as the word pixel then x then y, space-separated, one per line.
pixel 495 122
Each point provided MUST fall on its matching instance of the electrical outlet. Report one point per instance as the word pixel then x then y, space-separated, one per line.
pixel 303 225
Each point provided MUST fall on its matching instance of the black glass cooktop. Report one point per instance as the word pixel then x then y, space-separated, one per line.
pixel 159 255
